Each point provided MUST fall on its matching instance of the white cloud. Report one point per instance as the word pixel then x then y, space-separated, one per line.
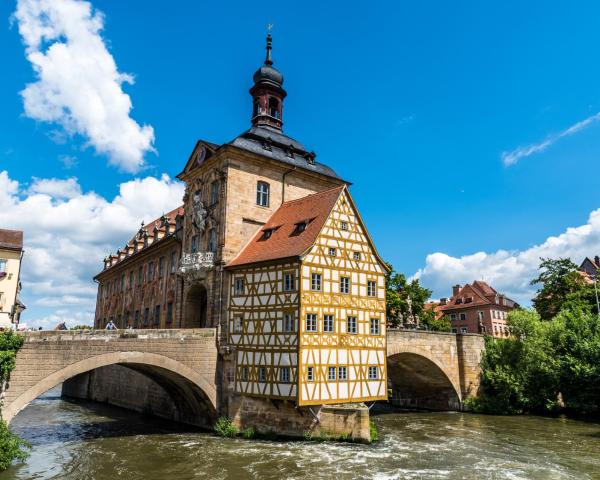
pixel 68 232
pixel 78 84
pixel 512 157
pixel 510 271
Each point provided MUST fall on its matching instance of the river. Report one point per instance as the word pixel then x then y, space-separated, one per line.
pixel 81 441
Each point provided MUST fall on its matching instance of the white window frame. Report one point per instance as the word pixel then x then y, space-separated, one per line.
pixel 263 193
pixel 345 285
pixel 454 330
pixel 288 322
pixel 289 282
pixel 3 265
pixel 352 321
pixel 453 317
pixel 331 374
pixel 238 324
pixel 328 323
pixel 332 252
pixel 311 322
pixel 239 286
pixel 310 374
pixel 356 256
pixel 262 374
pixel 462 316
pixel 464 330
pixel 344 225
pixel 316 282
pixel 373 373
pixel 284 375
pixel 343 373
pixel 371 288
pixel 375 326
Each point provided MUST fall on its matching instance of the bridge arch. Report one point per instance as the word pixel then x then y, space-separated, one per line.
pixel 190 391
pixel 418 378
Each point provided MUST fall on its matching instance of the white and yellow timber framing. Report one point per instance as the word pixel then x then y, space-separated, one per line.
pixel 343 249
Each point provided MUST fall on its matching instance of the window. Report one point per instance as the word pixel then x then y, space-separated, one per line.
pixel 328 323
pixel 342 373
pixel 310 374
pixel 122 286
pixel 3 263
pixel 244 374
pixel 131 276
pixel 262 194
pixel 344 225
pixel 356 256
pixel 480 315
pixel 331 371
pixel 373 373
pixel 375 330
pixel 140 275
pixel 332 252
pixel 238 324
pixel 344 285
pixel 288 282
pixel 136 319
pixel 464 330
pixel 315 283
pixel 273 107
pixel 288 322
pixel 157 315
pixel 453 317
pixel 267 233
pixel 212 240
pixel 300 227
pixel 351 325
pixel 170 312
pixel 151 271
pixel 463 316
pixel 214 192
pixel 161 267
pixel 311 322
pixel 194 243
pixel 262 374
pixel 372 288
pixel 173 261
pixel 239 286
pixel 146 316
pixel 284 374
pixel 454 330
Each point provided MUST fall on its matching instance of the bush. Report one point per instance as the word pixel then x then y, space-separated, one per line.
pixel 249 433
pixel 11 447
pixel 373 431
pixel 225 428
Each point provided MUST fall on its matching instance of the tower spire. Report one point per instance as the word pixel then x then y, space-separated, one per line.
pixel 268 60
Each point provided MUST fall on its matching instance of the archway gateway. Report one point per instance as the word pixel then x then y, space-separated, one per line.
pixel 196 306
pixel 415 381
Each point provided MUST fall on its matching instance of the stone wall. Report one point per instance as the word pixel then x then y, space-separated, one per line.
pixel 282 418
pixel 470 350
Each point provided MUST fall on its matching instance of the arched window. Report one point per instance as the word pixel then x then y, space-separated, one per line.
pixel 262 194
pixel 256 109
pixel 274 107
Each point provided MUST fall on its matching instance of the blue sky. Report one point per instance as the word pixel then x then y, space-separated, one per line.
pixel 420 104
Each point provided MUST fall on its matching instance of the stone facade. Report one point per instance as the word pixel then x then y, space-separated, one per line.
pixel 11 254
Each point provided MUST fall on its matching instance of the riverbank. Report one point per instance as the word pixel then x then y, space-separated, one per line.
pixel 73 441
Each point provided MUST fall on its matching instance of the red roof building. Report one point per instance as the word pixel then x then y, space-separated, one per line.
pixel 478 308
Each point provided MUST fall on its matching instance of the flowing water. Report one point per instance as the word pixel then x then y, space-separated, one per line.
pixel 77 441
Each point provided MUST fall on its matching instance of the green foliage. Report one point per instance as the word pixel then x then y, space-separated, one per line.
pixel 81 327
pixel 249 433
pixel 11 447
pixel 10 343
pixel 373 432
pixel 561 286
pixel 225 428
pixel 398 290
pixel 545 366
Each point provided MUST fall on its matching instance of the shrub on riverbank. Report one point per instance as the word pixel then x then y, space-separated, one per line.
pixel 373 431
pixel 11 446
pixel 225 428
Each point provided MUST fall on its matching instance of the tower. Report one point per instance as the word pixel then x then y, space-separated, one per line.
pixel 268 94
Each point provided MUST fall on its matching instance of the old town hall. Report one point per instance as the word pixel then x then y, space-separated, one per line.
pixel 268 247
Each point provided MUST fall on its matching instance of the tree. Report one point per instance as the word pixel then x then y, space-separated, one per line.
pixel 561 286
pixel 397 293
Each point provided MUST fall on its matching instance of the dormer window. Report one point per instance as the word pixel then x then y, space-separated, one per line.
pixel 267 233
pixel 300 227
pixel 458 301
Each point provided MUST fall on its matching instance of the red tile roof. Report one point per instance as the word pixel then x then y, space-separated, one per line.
pixel 477 293
pixel 285 240
pixel 11 239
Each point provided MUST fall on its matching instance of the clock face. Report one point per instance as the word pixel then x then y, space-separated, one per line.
pixel 201 155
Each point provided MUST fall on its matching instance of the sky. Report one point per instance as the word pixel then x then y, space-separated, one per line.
pixel 469 130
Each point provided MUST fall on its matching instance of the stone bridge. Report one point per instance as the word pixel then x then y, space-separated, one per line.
pixel 179 374
pixel 182 362
pixel 433 370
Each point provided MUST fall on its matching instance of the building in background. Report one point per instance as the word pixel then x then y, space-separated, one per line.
pixel 11 255
pixel 477 308
pixel 589 268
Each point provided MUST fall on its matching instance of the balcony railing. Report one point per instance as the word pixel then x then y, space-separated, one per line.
pixel 195 266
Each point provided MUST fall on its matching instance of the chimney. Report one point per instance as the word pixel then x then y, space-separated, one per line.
pixel 455 290
pixel 443 301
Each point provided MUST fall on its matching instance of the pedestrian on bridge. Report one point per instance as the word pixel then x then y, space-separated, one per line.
pixel 110 325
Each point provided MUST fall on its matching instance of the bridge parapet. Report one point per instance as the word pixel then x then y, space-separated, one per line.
pixel 112 335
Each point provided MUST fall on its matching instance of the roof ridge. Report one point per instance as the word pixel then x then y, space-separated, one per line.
pixel 323 192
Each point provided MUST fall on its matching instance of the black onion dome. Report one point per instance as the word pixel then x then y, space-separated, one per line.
pixel 268 73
